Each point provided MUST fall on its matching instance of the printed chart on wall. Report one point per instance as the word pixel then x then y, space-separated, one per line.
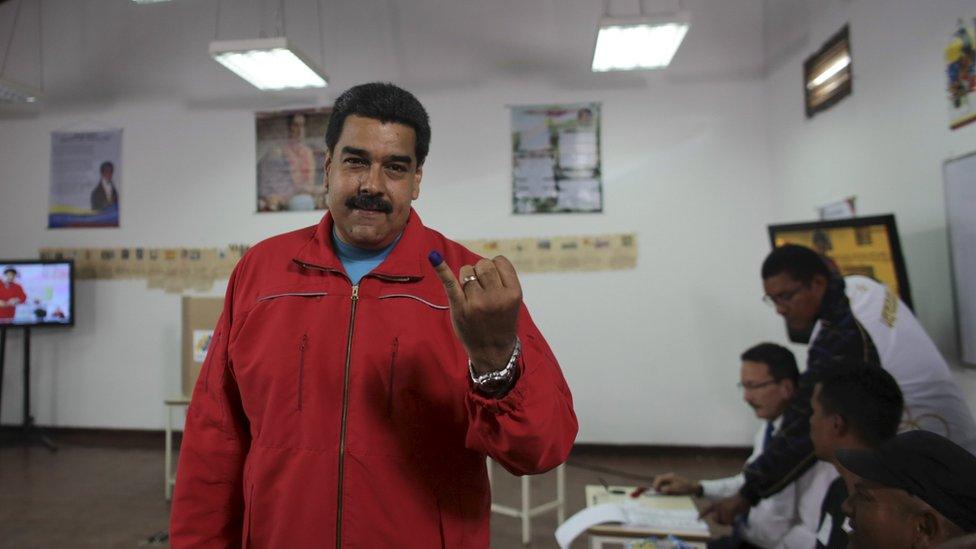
pixel 85 172
pixel 291 159
pixel 960 58
pixel 556 165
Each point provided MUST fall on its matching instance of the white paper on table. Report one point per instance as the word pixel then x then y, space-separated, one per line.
pixel 582 521
pixel 684 520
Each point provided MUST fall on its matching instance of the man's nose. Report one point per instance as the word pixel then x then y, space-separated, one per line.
pixel 371 181
pixel 781 309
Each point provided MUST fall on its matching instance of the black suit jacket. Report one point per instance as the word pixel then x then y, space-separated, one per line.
pixel 99 201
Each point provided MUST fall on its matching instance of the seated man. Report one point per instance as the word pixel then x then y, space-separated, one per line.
pixel 857 408
pixel 788 519
pixel 916 490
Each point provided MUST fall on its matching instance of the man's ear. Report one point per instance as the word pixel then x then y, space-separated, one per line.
pixel 418 175
pixel 326 170
pixel 837 425
pixel 927 529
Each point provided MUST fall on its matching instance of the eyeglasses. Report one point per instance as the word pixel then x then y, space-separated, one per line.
pixel 782 298
pixel 754 386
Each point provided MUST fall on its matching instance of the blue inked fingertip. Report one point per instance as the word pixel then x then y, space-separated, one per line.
pixel 435 258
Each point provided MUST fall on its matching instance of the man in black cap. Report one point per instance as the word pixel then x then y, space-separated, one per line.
pixel 916 490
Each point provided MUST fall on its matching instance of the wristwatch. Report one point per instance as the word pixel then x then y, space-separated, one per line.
pixel 498 380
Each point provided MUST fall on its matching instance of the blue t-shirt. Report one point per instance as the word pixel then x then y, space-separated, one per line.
pixel 359 262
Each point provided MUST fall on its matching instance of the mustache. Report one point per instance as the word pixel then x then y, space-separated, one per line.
pixel 371 202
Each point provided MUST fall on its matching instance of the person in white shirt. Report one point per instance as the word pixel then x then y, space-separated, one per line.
pixel 787 520
pixel 933 400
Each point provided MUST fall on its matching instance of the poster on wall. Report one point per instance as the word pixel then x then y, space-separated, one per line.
pixel 960 57
pixel 85 174
pixel 291 159
pixel 556 165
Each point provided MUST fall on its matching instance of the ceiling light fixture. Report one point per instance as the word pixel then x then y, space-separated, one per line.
pixel 269 63
pixel 639 43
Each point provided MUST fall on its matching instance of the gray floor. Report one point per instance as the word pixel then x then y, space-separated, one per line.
pixel 97 494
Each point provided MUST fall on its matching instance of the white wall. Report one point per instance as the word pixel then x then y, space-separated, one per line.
pixel 886 143
pixel 685 169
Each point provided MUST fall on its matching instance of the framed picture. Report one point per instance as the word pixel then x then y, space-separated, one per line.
pixel 556 166
pixel 291 159
pixel 867 246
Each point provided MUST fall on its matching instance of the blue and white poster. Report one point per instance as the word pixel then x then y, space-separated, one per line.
pixel 85 174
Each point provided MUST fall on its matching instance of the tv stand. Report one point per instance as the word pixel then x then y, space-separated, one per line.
pixel 29 434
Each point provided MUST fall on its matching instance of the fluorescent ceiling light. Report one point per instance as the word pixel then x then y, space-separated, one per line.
pixel 15 92
pixel 639 43
pixel 149 1
pixel 269 63
pixel 828 73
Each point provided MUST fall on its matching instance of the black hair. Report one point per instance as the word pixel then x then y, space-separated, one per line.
pixel 106 164
pixel 868 399
pixel 779 360
pixel 799 262
pixel 384 102
pixel 10 270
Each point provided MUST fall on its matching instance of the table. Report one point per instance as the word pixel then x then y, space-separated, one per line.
pixel 170 478
pixel 618 534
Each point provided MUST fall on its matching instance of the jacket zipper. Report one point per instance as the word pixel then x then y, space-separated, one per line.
pixel 345 412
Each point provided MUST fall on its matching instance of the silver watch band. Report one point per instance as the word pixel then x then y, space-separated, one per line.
pixel 497 377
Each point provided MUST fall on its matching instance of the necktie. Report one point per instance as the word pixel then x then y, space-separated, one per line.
pixel 768 436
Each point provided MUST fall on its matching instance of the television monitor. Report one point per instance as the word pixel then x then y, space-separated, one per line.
pixel 866 246
pixel 37 293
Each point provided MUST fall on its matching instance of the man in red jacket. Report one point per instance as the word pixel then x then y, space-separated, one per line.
pixel 11 295
pixel 363 368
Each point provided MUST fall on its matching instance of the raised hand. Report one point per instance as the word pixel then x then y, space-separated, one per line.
pixel 484 308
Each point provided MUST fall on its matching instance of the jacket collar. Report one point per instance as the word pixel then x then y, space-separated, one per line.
pixel 835 304
pixel 404 262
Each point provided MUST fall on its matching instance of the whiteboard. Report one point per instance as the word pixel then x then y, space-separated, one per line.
pixel 960 193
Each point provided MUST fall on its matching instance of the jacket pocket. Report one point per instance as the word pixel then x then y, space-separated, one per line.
pixel 392 382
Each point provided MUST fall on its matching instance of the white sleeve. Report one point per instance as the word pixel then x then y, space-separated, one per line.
pixel 722 487
pixel 811 490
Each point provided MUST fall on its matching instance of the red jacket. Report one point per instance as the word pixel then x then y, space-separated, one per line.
pixel 328 414
pixel 7 293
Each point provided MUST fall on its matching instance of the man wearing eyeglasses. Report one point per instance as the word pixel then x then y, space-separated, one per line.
pixel 788 519
pixel 853 320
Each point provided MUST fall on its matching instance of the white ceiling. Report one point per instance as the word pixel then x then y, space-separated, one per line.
pixel 97 51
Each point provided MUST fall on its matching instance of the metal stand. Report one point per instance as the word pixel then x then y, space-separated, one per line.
pixel 30 434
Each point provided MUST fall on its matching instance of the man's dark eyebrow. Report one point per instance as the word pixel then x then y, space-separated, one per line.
pixel 401 158
pixel 363 153
pixel 355 152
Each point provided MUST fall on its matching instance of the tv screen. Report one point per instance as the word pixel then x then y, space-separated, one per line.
pixel 37 293
pixel 866 246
